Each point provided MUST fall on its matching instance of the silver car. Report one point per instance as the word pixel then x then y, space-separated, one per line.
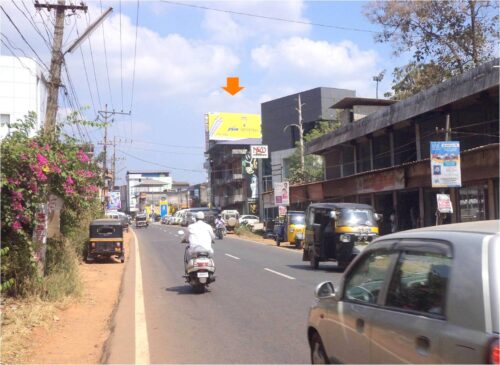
pixel 428 295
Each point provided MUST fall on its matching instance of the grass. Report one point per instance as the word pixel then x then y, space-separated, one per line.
pixel 246 231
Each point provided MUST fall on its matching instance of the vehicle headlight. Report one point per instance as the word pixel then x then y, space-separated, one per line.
pixel 345 238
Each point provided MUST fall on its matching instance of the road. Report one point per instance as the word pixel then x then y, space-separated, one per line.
pixel 255 312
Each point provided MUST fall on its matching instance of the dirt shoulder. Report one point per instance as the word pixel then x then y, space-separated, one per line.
pixel 76 330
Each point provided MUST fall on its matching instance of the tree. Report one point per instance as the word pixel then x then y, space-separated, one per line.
pixel 313 165
pixel 444 38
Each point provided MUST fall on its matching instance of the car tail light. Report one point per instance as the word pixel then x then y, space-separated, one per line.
pixel 494 352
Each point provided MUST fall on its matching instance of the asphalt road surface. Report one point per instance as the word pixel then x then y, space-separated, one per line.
pixel 255 312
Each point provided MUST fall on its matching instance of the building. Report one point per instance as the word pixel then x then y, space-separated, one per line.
pixel 23 89
pixel 232 172
pixel 145 188
pixel 278 114
pixel 383 159
pixel 198 195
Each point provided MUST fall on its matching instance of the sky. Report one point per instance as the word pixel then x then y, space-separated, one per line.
pixel 173 74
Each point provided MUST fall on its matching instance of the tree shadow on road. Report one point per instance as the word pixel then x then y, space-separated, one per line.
pixel 325 268
pixel 184 289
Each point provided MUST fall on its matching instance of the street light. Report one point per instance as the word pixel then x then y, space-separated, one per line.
pixel 89 31
pixel 377 79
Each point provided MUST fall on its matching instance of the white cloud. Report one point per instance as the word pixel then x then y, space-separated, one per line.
pixel 310 63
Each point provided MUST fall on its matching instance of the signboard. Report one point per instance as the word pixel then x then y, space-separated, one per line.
pixel 163 208
pixel 385 181
pixel 444 203
pixel 259 151
pixel 249 168
pixel 115 201
pixel 445 164
pixel 233 126
pixel 282 193
pixel 282 210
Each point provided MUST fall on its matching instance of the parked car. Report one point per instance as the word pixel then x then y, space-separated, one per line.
pixel 429 295
pixel 231 219
pixel 249 219
pixel 122 217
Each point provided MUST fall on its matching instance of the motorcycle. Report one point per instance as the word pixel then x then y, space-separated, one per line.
pixel 199 271
pixel 220 231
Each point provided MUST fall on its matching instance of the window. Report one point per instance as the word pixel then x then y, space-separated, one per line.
pixel 419 282
pixel 473 203
pixel 366 280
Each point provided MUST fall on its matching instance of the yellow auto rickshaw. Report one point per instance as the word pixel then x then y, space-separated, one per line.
pixel 291 228
pixel 338 232
pixel 106 239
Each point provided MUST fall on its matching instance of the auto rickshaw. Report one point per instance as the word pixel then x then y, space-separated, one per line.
pixel 291 228
pixel 338 231
pixel 106 239
pixel 141 220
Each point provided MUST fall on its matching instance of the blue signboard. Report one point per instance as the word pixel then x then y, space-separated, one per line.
pixel 445 164
pixel 163 210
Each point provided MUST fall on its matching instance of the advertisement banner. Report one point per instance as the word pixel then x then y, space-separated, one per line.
pixel 163 208
pixel 282 193
pixel 259 151
pixel 282 210
pixel 445 164
pixel 40 236
pixel 444 203
pixel 249 169
pixel 115 201
pixel 233 126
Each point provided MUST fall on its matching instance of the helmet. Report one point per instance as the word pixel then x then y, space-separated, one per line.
pixel 200 216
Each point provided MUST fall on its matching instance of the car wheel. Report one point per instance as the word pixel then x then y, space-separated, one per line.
pixel 278 242
pixel 314 261
pixel 318 353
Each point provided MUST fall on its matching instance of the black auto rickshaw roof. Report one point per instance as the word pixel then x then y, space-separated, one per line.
pixel 106 222
pixel 341 206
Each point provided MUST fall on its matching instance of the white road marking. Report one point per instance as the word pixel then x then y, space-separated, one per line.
pixel 234 257
pixel 141 330
pixel 280 274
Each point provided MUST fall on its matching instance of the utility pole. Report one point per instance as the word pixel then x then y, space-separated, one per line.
pixel 301 134
pixel 378 79
pixel 106 114
pixel 56 61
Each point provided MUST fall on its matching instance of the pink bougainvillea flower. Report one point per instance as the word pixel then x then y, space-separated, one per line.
pixel 69 180
pixel 82 157
pixel 41 176
pixel 69 190
pixel 16 226
pixel 47 147
pixel 33 187
pixel 16 195
pixel 42 160
pixel 56 169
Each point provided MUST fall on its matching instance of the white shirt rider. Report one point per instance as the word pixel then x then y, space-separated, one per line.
pixel 200 235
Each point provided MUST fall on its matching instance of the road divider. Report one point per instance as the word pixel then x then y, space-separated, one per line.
pixel 280 274
pixel 234 257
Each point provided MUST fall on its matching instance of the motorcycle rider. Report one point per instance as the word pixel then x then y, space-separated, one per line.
pixel 219 223
pixel 199 237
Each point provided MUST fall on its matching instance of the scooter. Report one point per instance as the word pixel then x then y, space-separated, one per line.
pixel 220 231
pixel 199 271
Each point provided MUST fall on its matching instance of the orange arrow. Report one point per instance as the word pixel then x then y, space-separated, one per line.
pixel 233 85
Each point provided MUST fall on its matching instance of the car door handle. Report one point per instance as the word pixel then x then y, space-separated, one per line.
pixel 360 325
pixel 423 345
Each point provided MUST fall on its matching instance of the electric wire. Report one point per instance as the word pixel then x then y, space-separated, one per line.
pixel 87 75
pixel 15 55
pixel 133 72
pixel 121 54
pixel 24 39
pixel 93 65
pixel 271 18
pixel 106 60
pixel 49 36
pixel 31 21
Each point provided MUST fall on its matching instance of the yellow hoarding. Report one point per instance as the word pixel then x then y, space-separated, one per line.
pixel 233 126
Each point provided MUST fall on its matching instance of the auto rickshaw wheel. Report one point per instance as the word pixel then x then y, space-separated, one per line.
pixel 298 244
pixel 278 242
pixel 314 261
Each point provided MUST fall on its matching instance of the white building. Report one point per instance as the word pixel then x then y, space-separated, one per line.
pixel 22 89
pixel 137 178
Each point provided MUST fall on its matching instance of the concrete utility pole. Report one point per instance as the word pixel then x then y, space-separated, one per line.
pixel 301 134
pixel 56 61
pixel 106 114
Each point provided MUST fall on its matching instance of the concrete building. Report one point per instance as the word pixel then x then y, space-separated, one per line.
pixel 22 89
pixel 144 182
pixel 276 115
pixel 383 159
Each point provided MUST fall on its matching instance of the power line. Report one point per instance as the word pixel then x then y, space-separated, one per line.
pixel 272 18
pixel 106 61
pixel 24 39
pixel 47 31
pixel 93 65
pixel 32 22
pixel 15 55
pixel 135 57
pixel 87 75
pixel 160 165
pixel 164 144
pixel 121 54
